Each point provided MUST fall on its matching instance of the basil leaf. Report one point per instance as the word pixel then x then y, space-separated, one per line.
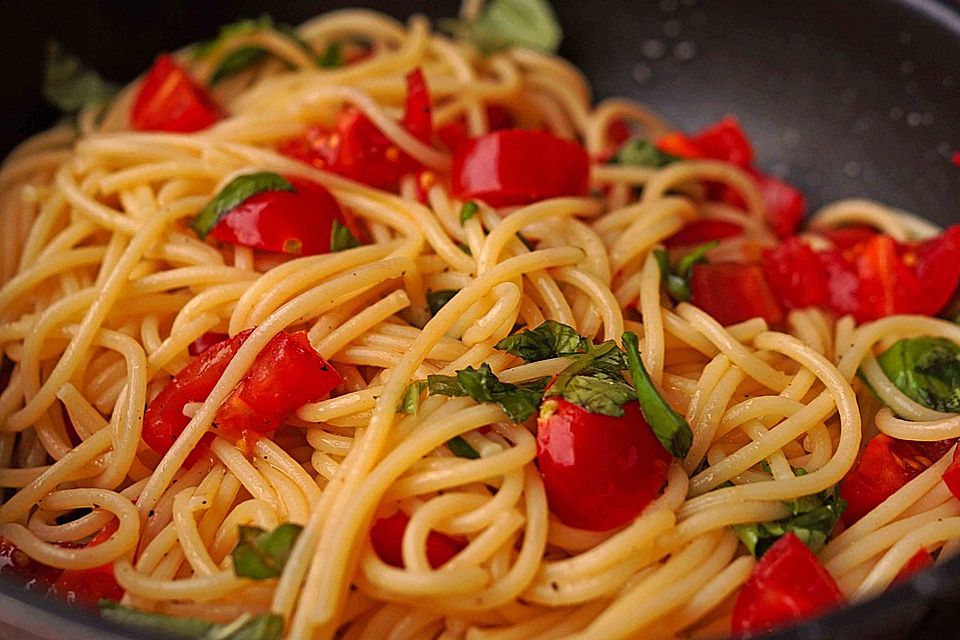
pixel 260 554
pixel 599 395
pixel 246 56
pixel 551 339
pixel 461 448
pixel 812 519
pixel 437 299
pixel 235 62
pixel 505 23
pixel 69 85
pixel 410 402
pixel 670 427
pixel 332 56
pixel 233 195
pixel 925 369
pixel 468 210
pixel 676 280
pixel 519 402
pixel 642 153
pixel 341 238
pixel 267 626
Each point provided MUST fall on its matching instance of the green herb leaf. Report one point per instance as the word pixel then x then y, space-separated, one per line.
pixel 519 402
pixel 260 554
pixel 642 153
pixel 468 210
pixel 69 85
pixel 676 280
pixel 812 519
pixel 670 427
pixel 235 62
pixel 594 381
pixel 410 403
pixel 332 56
pixel 925 369
pixel 461 448
pixel 551 339
pixel 341 238
pixel 505 23
pixel 436 299
pixel 233 195
pixel 246 56
pixel 246 627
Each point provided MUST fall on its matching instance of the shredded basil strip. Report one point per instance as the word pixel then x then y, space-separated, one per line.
pixel 594 381
pixel 506 23
pixel 260 554
pixel 461 448
pixel 519 402
pixel 437 299
pixel 676 280
pixel 341 238
pixel 268 626
pixel 69 85
pixel 410 402
pixel 812 519
pixel 468 210
pixel 926 370
pixel 642 153
pixel 551 339
pixel 332 56
pixel 670 427
pixel 233 195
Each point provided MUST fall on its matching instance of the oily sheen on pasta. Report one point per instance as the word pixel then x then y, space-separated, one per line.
pixel 105 288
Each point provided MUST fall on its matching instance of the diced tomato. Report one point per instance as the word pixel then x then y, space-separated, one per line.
pixel 619 132
pixel 701 231
pixel 287 374
pixel 417 116
pixel 951 477
pixel 797 277
pixel 955 158
pixel 453 134
pixel 21 569
pixel 169 100
pixel 887 285
pixel 678 144
pixel 788 584
pixel 294 222
pixel 599 472
pixel 206 341
pixel 87 587
pixel 917 562
pixel 386 536
pixel 784 205
pixel 886 465
pixel 514 167
pixel 850 236
pixel 725 141
pixel 733 293
pixel 936 263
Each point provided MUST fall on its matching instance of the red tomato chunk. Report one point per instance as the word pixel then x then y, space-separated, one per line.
pixel 386 536
pixel 87 587
pixel 169 100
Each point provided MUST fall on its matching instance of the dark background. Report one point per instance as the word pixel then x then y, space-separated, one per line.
pixel 843 97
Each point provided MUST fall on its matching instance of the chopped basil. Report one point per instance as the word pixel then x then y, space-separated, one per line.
pixel 519 402
pixel 676 280
pixel 244 57
pixel 461 448
pixel 233 195
pixel 410 402
pixel 811 519
pixel 925 369
pixel 594 381
pixel 505 23
pixel 551 339
pixel 260 554
pixel 468 210
pixel 670 427
pixel 69 85
pixel 266 626
pixel 642 153
pixel 436 299
pixel 332 56
pixel 341 238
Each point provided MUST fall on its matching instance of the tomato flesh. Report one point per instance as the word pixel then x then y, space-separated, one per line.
pixel 599 472
pixel 951 477
pixel 293 222
pixel 87 587
pixel 787 584
pixel 701 231
pixel 169 100
pixel 917 563
pixel 20 568
pixel 733 293
pixel 797 277
pixel 206 341
pixel 386 536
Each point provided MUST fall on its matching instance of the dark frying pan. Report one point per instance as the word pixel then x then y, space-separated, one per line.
pixel 843 98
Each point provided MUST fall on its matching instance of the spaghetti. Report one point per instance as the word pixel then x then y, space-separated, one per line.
pixel 106 287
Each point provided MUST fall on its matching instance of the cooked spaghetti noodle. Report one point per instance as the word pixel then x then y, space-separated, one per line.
pixel 105 287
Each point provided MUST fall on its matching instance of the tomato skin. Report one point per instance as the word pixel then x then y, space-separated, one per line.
pixel 787 584
pixel 951 477
pixel 725 141
pixel 849 236
pixel 169 100
pixel 418 114
pixel 386 536
pixel 286 374
pixel 206 341
pixel 797 277
pixel 700 231
pixel 599 472
pixel 784 205
pixel 515 167
pixel 886 465
pixel 937 268
pixel 293 222
pixel 21 569
pixel 732 293
pixel 917 563
pixel 87 587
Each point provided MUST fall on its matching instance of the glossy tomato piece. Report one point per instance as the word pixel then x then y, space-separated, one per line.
pixel 600 472
pixel 951 477
pixel 417 115
pixel 701 231
pixel 725 141
pixel 169 100
pixel 797 277
pixel 515 167
pixel 733 293
pixel 287 374
pixel 87 587
pixel 386 536
pixel 936 263
pixel 886 465
pixel 784 204
pixel 21 569
pixel 206 341
pixel 917 563
pixel 292 222
pixel 788 584
pixel 849 236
